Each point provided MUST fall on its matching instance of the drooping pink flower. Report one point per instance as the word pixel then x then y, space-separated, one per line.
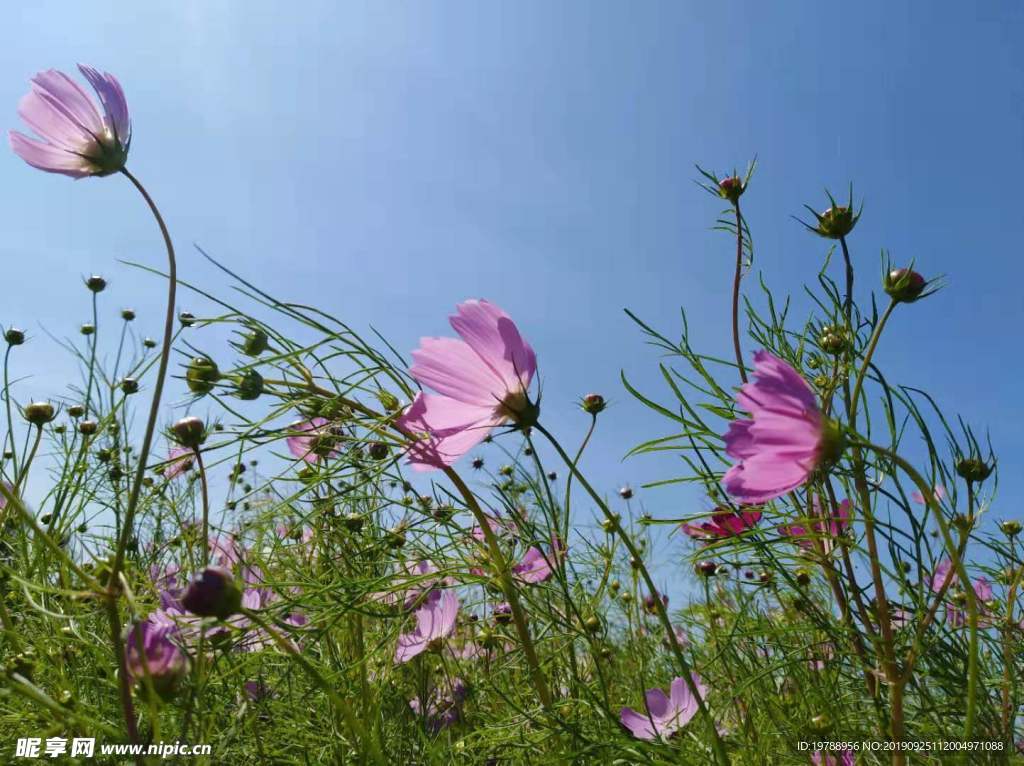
pixel 74 139
pixel 835 526
pixel 938 490
pixel 724 523
pixel 481 383
pixel 179 460
pixel 784 441
pixel 538 566
pixel 665 714
pixel 312 440
pixel 840 758
pixel 435 620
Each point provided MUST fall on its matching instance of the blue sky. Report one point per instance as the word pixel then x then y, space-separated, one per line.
pixel 387 160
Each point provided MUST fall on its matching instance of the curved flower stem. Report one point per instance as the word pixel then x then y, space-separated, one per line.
pixel 954 552
pixel 140 470
pixel 92 355
pixel 341 706
pixel 868 353
pixel 736 292
pixel 10 419
pixel 687 671
pixel 507 586
pixel 575 461
pixel 848 303
pixel 29 459
pixel 204 489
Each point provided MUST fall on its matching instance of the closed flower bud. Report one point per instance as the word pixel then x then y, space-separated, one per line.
pixel 803 576
pixel 213 593
pixel 249 386
pixel 128 315
pixel 651 603
pixel 974 469
pixel 706 568
pixel 254 342
pixel 731 188
pixel 189 431
pixel 88 427
pixel 149 343
pixel 904 285
pixel 76 411
pixel 186 318
pixel 130 385
pixel 836 222
pixel 14 336
pixel 39 413
pixel 592 404
pixel 1010 528
pixel 388 401
pixel 87 329
pixel 833 340
pixel 478 463
pixel 201 375
pixel 96 283
pixel 610 524
pixel 626 492
pixel 592 624
pixel 378 451
pixel 354 521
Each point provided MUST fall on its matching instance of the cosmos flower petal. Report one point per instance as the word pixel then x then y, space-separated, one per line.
pixel 492 334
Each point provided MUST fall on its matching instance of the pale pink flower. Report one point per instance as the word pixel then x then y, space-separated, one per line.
pixel 481 383
pixel 938 490
pixel 312 440
pixel 835 526
pixel 724 523
pixel 435 621
pixel 840 758
pixel 785 440
pixel 179 460
pixel 666 714
pixel 538 566
pixel 74 138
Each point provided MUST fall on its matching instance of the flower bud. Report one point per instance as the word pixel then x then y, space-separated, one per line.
pixel 149 343
pixel 803 576
pixel 592 404
pixel 186 318
pixel 76 411
pixel 626 492
pixel 731 188
pixel 130 386
pixel 478 463
pixel 904 285
pixel 14 336
pixel 833 340
pixel 254 342
pixel 201 375
pixel 706 568
pixel 88 427
pixel 592 624
pixel 249 386
pixel 974 469
pixel 189 431
pixel 378 451
pixel 836 222
pixel 87 329
pixel 96 283
pixel 354 521
pixel 213 593
pixel 651 603
pixel 503 614
pixel 1011 528
pixel 39 413
pixel 128 315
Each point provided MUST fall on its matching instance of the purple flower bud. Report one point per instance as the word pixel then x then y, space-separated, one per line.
pixel 14 336
pixel 189 431
pixel 707 568
pixel 626 492
pixel 592 404
pixel 731 188
pixel 213 593
pixel 904 285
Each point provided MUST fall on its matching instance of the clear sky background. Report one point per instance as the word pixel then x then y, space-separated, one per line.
pixel 387 160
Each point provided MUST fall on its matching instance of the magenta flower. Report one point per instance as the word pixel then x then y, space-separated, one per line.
pixel 74 139
pixel 312 440
pixel 841 758
pixel 785 440
pixel 665 714
pixel 538 566
pixel 435 620
pixel 943 575
pixel 149 648
pixel 724 523
pixel 179 460
pixel 835 526
pixel 481 383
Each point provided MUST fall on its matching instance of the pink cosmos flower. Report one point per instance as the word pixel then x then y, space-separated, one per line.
pixel 943 574
pixel 179 460
pixel 783 442
pixel 665 714
pixel 312 440
pixel 538 566
pixel 841 758
pixel 481 383
pixel 938 490
pixel 74 139
pixel 835 526
pixel 435 620
pixel 724 523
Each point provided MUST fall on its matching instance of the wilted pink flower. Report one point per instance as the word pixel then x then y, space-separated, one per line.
pixel 312 440
pixel 150 648
pixel 481 383
pixel 74 138
pixel 538 566
pixel 840 758
pixel 835 526
pixel 435 620
pixel 938 490
pixel 179 460
pixel 724 523
pixel 665 714
pixel 785 440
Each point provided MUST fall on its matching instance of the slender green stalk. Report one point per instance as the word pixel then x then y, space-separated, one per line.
pixel 737 278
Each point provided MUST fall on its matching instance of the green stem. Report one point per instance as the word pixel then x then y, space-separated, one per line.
pixel 737 278
pixel 868 353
